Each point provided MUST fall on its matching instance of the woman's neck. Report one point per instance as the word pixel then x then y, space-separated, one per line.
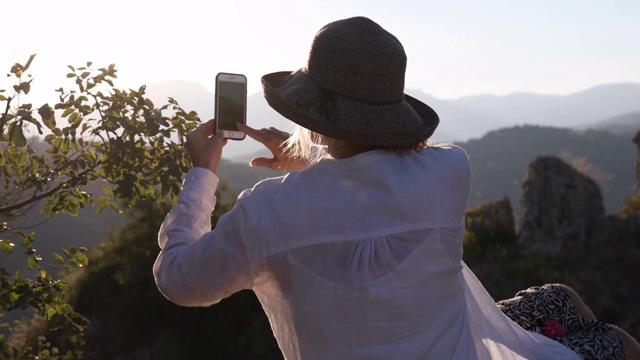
pixel 339 149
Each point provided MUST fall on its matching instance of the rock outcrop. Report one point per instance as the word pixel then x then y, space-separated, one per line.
pixel 561 209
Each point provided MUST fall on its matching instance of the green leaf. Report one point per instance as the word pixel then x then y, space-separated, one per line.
pixel 35 165
pixel 73 117
pixel 26 66
pixel 42 273
pixel 51 312
pixel 80 260
pixel 93 154
pixel 48 116
pixel 24 87
pixel 6 246
pixel 57 321
pixel 103 202
pixel 58 258
pixel 72 210
pixel 65 145
pixel 2 159
pixel 22 159
pixel 16 135
pixel 34 122
pixel 32 262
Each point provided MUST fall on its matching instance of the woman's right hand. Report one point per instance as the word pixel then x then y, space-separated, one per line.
pixel 204 146
pixel 274 140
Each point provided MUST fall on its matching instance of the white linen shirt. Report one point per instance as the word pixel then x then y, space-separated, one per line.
pixel 357 258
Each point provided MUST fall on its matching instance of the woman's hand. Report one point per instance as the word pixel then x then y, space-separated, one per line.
pixel 274 140
pixel 204 146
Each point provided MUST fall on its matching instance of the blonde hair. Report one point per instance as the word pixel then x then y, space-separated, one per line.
pixel 306 144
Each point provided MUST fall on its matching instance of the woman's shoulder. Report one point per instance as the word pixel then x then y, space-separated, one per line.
pixel 446 159
pixel 446 152
pixel 446 147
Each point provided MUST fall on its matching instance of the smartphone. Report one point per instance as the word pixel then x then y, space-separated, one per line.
pixel 231 104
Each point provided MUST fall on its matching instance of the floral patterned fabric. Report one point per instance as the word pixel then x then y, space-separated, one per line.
pixel 548 310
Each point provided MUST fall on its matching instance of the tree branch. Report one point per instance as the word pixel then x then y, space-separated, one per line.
pixel 34 198
pixel 4 115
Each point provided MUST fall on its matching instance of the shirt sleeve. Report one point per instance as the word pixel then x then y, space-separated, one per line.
pixel 198 266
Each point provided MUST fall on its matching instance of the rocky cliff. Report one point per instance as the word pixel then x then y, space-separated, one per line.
pixel 564 236
pixel 561 209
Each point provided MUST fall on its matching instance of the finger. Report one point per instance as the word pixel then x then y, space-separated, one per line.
pixel 282 135
pixel 205 129
pixel 253 133
pixel 219 138
pixel 263 136
pixel 262 162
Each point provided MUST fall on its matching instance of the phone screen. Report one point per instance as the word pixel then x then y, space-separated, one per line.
pixel 231 104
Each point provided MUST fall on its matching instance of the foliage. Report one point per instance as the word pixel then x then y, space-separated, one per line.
pixel 95 133
pixel 490 240
pixel 631 206
pixel 129 318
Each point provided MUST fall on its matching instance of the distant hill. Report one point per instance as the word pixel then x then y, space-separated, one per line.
pixel 460 119
pixel 626 125
pixel 500 159
pixel 591 105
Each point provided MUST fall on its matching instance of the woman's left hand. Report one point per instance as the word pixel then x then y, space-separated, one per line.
pixel 274 140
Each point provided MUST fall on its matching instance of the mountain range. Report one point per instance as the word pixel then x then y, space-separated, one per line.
pixel 614 107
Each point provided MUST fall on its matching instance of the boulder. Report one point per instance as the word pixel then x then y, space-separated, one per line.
pixel 561 209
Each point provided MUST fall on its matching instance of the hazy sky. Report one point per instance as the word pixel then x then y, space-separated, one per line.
pixel 455 48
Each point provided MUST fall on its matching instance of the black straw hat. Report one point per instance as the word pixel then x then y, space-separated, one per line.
pixel 352 88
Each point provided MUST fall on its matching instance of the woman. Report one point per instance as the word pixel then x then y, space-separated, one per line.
pixel 358 254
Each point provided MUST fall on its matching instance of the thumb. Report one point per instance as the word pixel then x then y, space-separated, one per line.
pixel 262 162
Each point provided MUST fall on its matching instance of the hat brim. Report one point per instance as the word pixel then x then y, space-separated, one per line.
pixel 299 98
